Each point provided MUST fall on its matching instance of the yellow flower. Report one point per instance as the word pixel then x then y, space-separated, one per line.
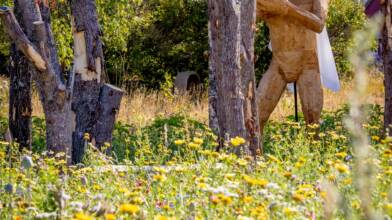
pixel 256 182
pixel 259 212
pixel 287 174
pixel 129 208
pixel 289 211
pixel 237 141
pixel 388 207
pixel 17 217
pixel 247 199
pixel 179 142
pixel 341 155
pixel 197 140
pixel 272 158
pixel 159 178
pixel 161 217
pixel 194 146
pixel 375 138
pixel 226 200
pixel 82 216
pixel 110 216
pixel 342 168
pixel 298 197
pixel 86 136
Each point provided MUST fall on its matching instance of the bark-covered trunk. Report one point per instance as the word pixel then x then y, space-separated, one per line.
pixel 89 111
pixel 248 28
pixel 41 52
pixel 20 71
pixel 20 108
pixel 75 106
pixel 225 64
pixel 387 58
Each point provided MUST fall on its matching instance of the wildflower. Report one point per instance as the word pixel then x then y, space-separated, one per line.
pixel 375 138
pixel 298 197
pixel 214 199
pixel 273 158
pixel 256 182
pixel 342 168
pixel 287 175
pixel 259 212
pixel 341 155
pixel 159 178
pixel 388 207
pixel 82 216
pixel 226 200
pixel 356 204
pixel 237 141
pixel 129 208
pixel 179 142
pixel 198 140
pixel 289 211
pixel 17 217
pixel 161 217
pixel 194 146
pixel 86 136
pixel 110 216
pixel 247 199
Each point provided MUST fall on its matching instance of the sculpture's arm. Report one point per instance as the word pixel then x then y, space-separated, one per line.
pixel 320 9
pixel 286 8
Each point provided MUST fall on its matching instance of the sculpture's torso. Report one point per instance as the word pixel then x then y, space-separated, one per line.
pixel 294 46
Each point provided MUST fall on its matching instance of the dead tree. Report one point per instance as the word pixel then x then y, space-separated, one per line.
pixel 64 115
pixel 20 71
pixel 232 92
pixel 89 72
pixel 387 60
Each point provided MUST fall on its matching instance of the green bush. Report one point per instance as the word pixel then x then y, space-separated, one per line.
pixel 345 17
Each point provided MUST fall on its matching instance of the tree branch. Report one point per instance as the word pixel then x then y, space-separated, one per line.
pixel 16 33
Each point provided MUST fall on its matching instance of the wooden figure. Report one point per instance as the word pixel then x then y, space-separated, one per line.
pixel 293 29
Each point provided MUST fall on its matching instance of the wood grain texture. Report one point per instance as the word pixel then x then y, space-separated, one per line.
pixel 293 25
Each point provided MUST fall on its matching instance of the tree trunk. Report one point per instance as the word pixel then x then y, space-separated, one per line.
pixel 225 64
pixel 84 83
pixel 20 71
pixel 387 58
pixel 20 108
pixel 41 52
pixel 88 84
pixel 248 28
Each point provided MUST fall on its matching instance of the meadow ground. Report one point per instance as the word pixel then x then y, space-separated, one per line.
pixel 171 171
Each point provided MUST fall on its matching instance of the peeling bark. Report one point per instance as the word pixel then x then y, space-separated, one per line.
pixel 93 102
pixel 248 28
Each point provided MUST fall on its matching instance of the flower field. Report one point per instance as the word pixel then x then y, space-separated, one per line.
pixel 169 170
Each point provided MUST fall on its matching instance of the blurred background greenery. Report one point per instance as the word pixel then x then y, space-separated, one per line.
pixel 148 42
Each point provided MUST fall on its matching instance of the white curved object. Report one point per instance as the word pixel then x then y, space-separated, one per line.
pixel 328 71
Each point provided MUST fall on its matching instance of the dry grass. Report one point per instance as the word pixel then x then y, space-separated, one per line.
pixel 141 107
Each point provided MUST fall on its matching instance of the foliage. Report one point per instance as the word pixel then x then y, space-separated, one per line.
pixel 148 42
pixel 345 17
pixel 296 179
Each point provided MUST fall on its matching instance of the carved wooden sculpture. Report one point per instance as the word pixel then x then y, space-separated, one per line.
pixel 293 26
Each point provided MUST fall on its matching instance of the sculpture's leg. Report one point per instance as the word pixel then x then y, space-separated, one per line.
pixel 269 92
pixel 311 94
